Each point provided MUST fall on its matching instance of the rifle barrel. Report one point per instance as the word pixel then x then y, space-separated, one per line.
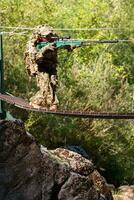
pixel 101 41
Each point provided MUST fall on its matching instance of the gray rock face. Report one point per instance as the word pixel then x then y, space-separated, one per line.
pixel 29 171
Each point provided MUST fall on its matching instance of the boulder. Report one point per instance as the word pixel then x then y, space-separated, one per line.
pixel 125 192
pixel 29 171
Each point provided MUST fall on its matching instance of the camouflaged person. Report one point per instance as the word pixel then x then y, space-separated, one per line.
pixel 42 64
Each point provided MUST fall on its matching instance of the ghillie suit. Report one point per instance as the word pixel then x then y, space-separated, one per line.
pixel 42 64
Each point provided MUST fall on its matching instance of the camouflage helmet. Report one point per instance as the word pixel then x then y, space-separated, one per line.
pixel 43 30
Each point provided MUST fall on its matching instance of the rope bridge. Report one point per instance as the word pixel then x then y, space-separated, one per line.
pixel 21 103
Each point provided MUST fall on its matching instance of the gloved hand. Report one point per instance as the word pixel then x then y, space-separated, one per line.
pixel 70 47
pixel 49 47
pixel 73 46
pixel 54 79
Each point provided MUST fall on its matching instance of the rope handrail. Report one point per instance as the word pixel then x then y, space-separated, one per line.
pixel 77 29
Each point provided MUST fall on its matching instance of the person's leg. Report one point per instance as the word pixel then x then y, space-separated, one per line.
pixel 40 98
pixel 54 102
pixel 46 96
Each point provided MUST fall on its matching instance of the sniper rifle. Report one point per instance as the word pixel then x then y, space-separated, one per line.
pixel 63 42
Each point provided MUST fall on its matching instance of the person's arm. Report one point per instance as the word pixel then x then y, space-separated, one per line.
pixel 29 58
pixel 45 52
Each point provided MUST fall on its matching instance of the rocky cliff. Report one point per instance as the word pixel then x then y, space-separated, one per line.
pixel 28 171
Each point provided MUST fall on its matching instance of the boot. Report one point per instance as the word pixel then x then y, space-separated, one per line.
pixel 53 107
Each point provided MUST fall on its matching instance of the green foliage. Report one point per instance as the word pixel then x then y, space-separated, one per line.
pixel 95 78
